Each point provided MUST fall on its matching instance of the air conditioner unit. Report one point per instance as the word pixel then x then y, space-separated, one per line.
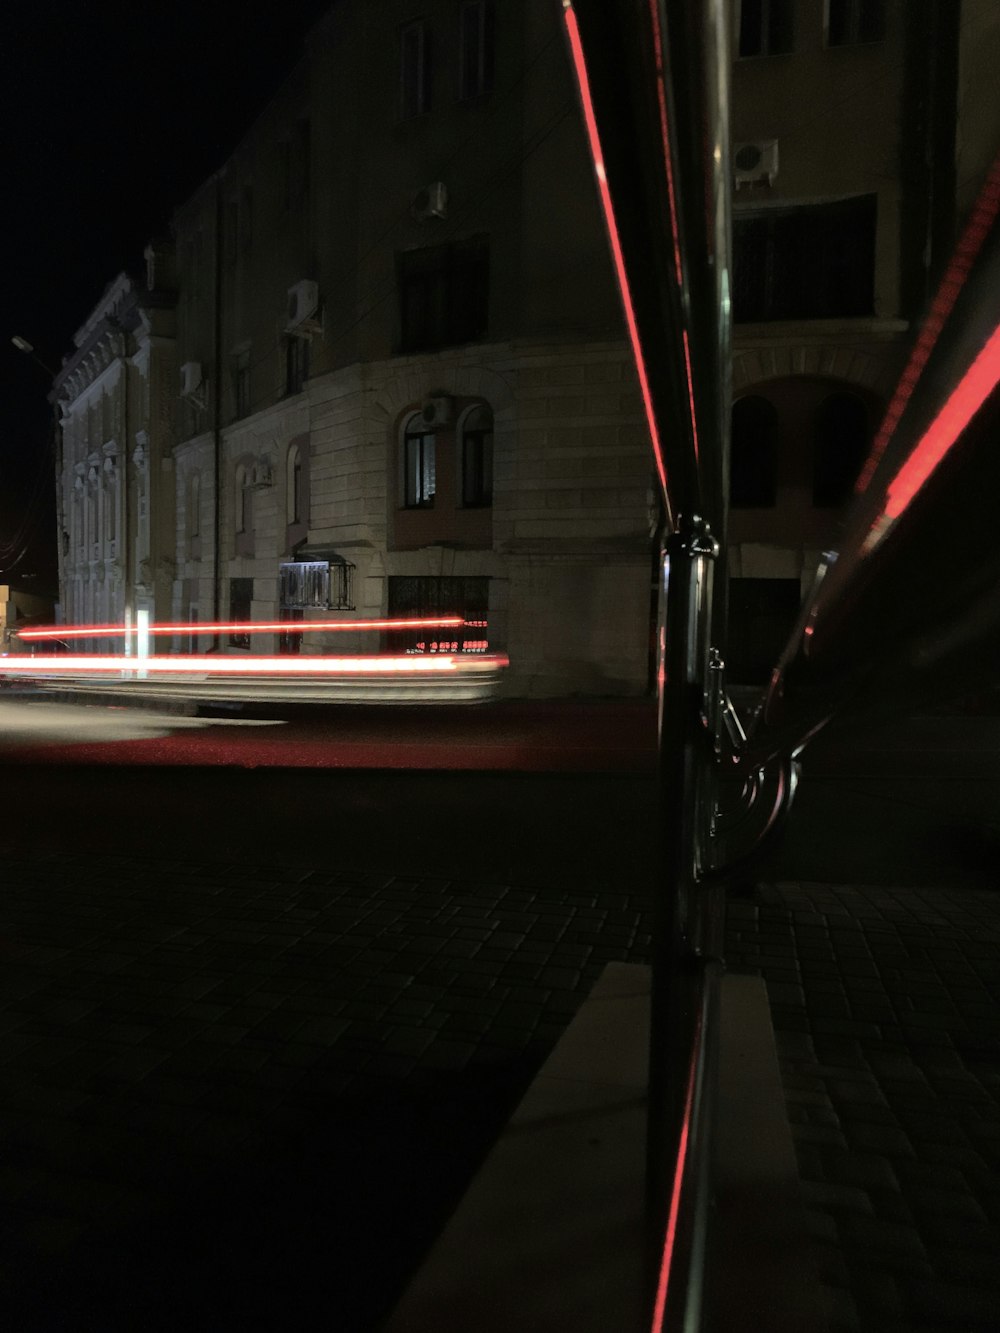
pixel 438 410
pixel 261 474
pixel 431 201
pixel 303 307
pixel 755 161
pixel 191 378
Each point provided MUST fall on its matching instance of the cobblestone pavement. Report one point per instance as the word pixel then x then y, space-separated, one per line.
pixel 240 1097
pixel 885 1004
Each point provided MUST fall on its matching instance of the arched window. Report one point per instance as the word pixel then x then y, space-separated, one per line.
pixel 753 459
pixel 842 437
pixel 476 452
pixel 293 486
pixel 241 500
pixel 419 464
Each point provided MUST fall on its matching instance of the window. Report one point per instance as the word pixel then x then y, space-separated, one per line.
pixel 302 163
pixel 290 641
pixel 241 383
pixel 293 486
pixel 194 507
pixel 243 508
pixel 414 71
pixel 850 22
pixel 476 49
pixel 240 610
pixel 765 27
pixel 443 294
pixel 285 174
pixel 193 643
pixel 451 596
pixel 246 221
pixel 477 458
pixel 753 470
pixel 296 363
pixel 816 262
pixel 841 446
pixel 419 466
pixel 232 233
pixel 325 584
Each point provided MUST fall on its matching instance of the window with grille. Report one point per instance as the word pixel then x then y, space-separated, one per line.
pixel 476 49
pixel 766 27
pixel 426 597
pixel 328 585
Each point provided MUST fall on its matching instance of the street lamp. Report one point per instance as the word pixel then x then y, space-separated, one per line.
pixel 28 349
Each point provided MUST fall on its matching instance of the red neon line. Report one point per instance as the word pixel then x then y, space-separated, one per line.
pixel 670 1240
pixel 661 93
pixel 966 399
pixel 983 216
pixel 200 665
pixel 597 154
pixel 239 627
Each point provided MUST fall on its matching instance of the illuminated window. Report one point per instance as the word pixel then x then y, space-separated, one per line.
pixel 477 458
pixel 851 22
pixel 443 294
pixel 414 70
pixel 766 27
pixel 419 466
pixel 476 49
pixel 753 457
pixel 322 584
pixel 296 363
pixel 813 262
pixel 842 439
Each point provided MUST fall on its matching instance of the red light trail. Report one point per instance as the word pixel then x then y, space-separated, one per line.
pixel 597 155
pixel 981 221
pixel 242 627
pixel 200 664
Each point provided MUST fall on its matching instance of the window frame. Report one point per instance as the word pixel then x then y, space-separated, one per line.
pixel 853 23
pixel 479 496
pixel 297 367
pixel 416 432
pixel 484 37
pixel 766 47
pixel 414 69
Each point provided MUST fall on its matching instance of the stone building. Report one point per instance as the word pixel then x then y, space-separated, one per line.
pixel 400 383
pixel 860 132
pixel 405 387
pixel 115 396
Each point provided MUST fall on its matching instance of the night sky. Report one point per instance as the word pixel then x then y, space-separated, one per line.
pixel 113 114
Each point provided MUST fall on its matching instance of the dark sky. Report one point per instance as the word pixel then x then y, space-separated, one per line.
pixel 113 113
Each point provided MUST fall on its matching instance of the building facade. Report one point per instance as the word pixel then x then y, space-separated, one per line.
pixel 115 506
pixel 396 376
